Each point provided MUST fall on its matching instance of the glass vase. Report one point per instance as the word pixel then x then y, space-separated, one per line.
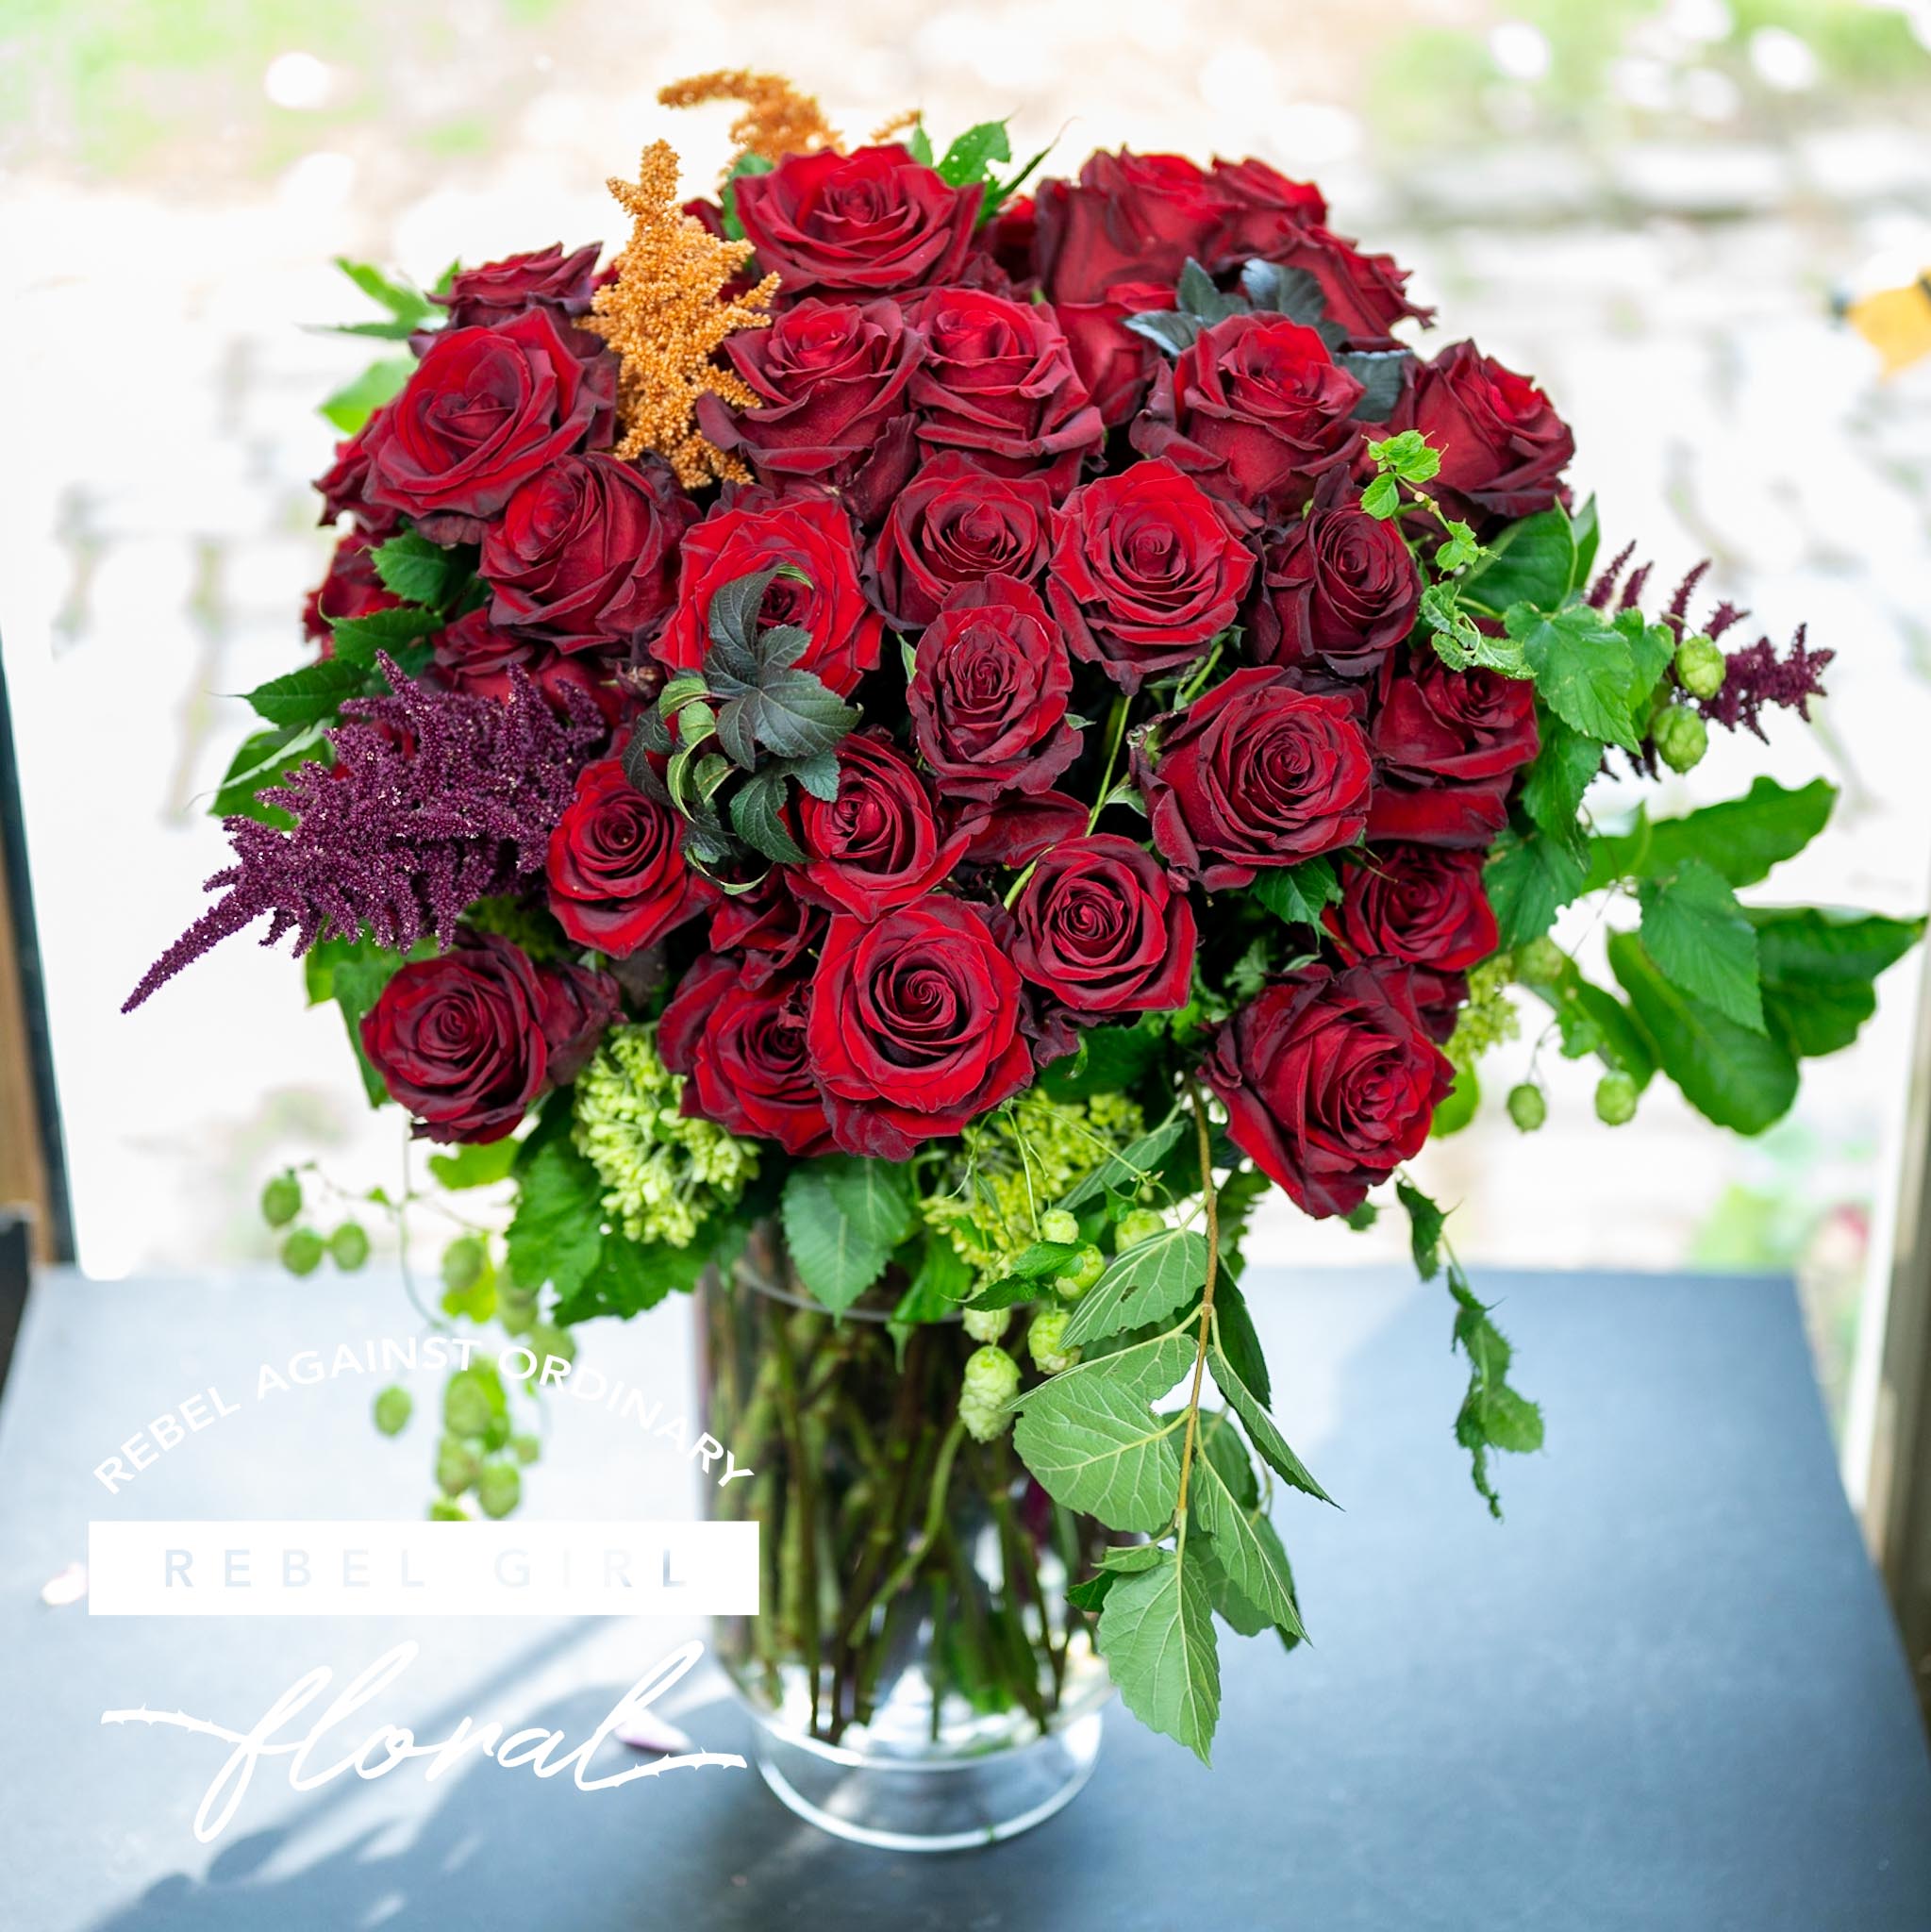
pixel 917 1678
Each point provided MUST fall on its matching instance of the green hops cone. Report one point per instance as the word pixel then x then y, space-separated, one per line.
pixel 991 1380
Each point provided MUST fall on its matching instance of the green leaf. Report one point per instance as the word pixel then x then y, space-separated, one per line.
pixel 1156 1635
pixel 837 1232
pixel 557 1233
pixel 757 809
pixel 1408 454
pixel 873 1195
pixel 629 1276
pixel 407 305
pixel 350 407
pixel 1733 1076
pixel 311 694
pixel 727 200
pixel 263 760
pixel 920 144
pixel 1256 1569
pixel 1459 1106
pixel 1532 561
pixel 1149 1368
pixel 1382 497
pixel 1583 667
pixel 999 192
pixel 1296 894
pixel 474 1167
pixel 1238 1336
pixel 353 973
pixel 1493 1414
pixel 1096 1446
pixel 1126 1169
pixel 969 159
pixel 1699 940
pixel 1110 1059
pixel 1591 1020
pixel 1740 839
pixel 940 1286
pixel 1262 1431
pixel 1529 877
pixel 1552 792
pixel 1426 1223
pixel 359 638
pixel 1149 1282
pixel 1819 971
pixel 419 572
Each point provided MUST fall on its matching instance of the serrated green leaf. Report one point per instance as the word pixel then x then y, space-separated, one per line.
pixel 1529 877
pixel 1699 940
pixel 1095 1446
pixel 557 1233
pixel 1583 667
pixel 1553 790
pixel 1251 1564
pixel 1262 1431
pixel 1296 894
pixel 1236 1327
pixel 1150 1281
pixel 1741 838
pixel 1156 1635
pixel 407 304
pixel 756 816
pixel 968 159
pixel 1532 561
pixel 843 1219
pixel 1426 1223
pixel 359 638
pixel 261 761
pixel 1126 1169
pixel 474 1167
pixel 873 1195
pixel 311 694
pixel 418 571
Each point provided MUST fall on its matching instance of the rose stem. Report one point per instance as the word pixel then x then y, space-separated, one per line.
pixel 1211 1200
pixel 801 1480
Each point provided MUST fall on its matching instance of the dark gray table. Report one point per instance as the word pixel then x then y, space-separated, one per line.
pixel 1665 1695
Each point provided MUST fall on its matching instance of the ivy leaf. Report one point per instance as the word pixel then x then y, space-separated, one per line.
pixel 1529 877
pixel 311 694
pixel 1583 668
pixel 1262 1431
pixel 1297 893
pixel 1818 972
pixel 1696 933
pixel 1097 1447
pixel 1157 1634
pixel 418 571
pixel 968 159
pixel 1152 1280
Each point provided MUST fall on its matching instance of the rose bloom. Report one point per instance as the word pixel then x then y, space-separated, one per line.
pixel 1502 448
pixel 474 657
pixel 578 1007
pixel 988 696
pixel 1103 931
pixel 770 926
pixel 1263 205
pixel 585 553
pixel 1340 588
pixel 485 409
pixel 1010 832
pixel 1329 1082
pixel 1006 241
pixel 543 278
pixel 878 844
pixel 1116 365
pixel 1130 217
pixel 913 1025
pixel 616 871
pixel 829 378
pixel 1260 408
pixel 742 1044
pixel 1256 772
pixel 1367 294
pixel 458 1039
pixel 351 589
pixel 752 531
pixel 1447 746
pixel 954 525
pixel 1146 569
pixel 869 223
pixel 1421 904
pixel 344 485
pixel 999 380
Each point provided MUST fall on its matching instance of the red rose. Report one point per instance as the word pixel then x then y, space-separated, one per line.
pixel 769 924
pixel 344 485
pixel 1255 773
pixel 1419 904
pixel 998 380
pixel 913 1025
pixel 954 525
pixel 1102 930
pixel 988 695
pixel 1130 217
pixel 878 844
pixel 485 409
pixel 351 589
pixel 474 657
pixel 616 871
pixel 585 553
pixel 1502 448
pixel 1116 365
pixel 1259 407
pixel 1262 205
pixel 1329 1082
pixel 829 378
pixel 1146 568
pixel 1367 294
pixel 754 531
pixel 578 1005
pixel 1007 240
pixel 1011 832
pixel 867 223
pixel 458 1039
pixel 742 1043
pixel 1340 588
pixel 1447 745
pixel 545 277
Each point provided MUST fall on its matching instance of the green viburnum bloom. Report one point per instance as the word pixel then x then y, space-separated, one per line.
pixel 662 1173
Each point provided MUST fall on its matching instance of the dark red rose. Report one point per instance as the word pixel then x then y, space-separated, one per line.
pixel 1129 218
pixel 1116 365
pixel 829 378
pixel 474 657
pixel 1329 1082
pixel 1256 772
pixel 954 525
pixel 1419 904
pixel 878 844
pixel 1258 408
pixel 769 925
pixel 458 1039
pixel 1102 930
pixel 585 553
pixel 1367 294
pixel 484 411
pixel 867 223
pixel 1438 999
pixel 913 1025
pixel 351 589
pixel 811 533
pixel 998 380
pixel 616 871
pixel 742 1043
pixel 1338 589
pixel 1447 745
pixel 1007 240
pixel 1013 831
pixel 1262 203
pixel 578 1008
pixel 1146 568
pixel 1502 448
pixel 344 485
pixel 543 278
pixel 988 696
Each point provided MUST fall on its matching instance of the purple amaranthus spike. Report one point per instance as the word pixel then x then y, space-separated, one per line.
pixel 435 800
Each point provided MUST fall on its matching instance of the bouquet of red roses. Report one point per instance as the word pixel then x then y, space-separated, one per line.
pixel 931 745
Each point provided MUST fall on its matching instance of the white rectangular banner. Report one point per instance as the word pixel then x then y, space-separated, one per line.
pixel 250 1569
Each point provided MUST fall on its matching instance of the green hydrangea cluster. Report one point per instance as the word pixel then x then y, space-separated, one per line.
pixel 662 1171
pixel 1489 1017
pixel 1012 1166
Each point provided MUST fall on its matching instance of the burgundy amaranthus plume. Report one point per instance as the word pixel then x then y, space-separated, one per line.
pixel 435 800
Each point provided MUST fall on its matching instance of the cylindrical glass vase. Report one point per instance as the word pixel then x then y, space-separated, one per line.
pixel 917 1679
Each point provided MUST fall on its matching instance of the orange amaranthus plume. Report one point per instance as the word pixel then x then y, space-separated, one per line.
pixel 666 316
pixel 777 119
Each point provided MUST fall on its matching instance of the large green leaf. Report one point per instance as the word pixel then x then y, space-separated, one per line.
pixel 1552 792
pixel 359 638
pixel 1529 877
pixel 350 407
pixel 1239 1546
pixel 1742 838
pixel 1820 969
pixel 557 1234
pixel 1147 1283
pixel 1156 1635
pixel 1296 894
pixel 843 1219
pixel 1261 1428
pixel 1535 562
pixel 1699 940
pixel 420 571
pixel 1583 667
pixel 1095 1446
pixel 309 695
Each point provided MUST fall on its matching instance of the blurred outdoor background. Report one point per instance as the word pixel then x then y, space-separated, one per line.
pixel 1654 205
